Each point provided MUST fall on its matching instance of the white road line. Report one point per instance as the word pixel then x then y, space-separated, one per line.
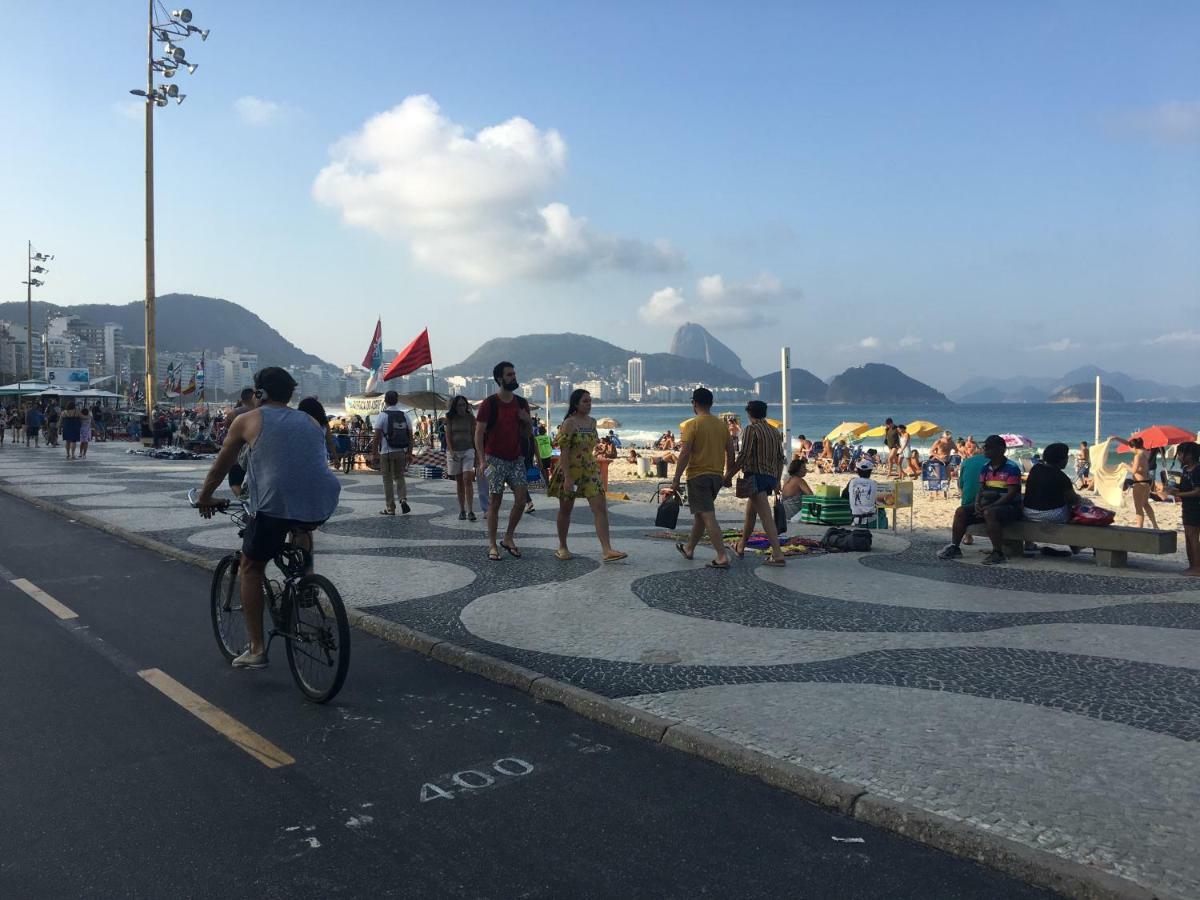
pixel 45 599
pixel 253 743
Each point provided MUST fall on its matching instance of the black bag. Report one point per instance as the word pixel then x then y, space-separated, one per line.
pixel 399 436
pixel 857 540
pixel 668 512
pixel 781 519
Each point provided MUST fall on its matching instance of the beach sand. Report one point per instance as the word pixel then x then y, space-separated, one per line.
pixel 931 512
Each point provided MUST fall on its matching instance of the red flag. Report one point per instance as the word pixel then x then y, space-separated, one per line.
pixel 411 358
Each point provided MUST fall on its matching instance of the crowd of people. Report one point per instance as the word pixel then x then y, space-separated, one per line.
pixel 55 421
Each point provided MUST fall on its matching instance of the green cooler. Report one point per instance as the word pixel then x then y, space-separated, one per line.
pixel 825 510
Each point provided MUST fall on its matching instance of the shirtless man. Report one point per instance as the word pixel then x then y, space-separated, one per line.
pixel 943 447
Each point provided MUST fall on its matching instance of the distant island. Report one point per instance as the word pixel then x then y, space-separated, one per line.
pixel 1086 393
pixel 877 383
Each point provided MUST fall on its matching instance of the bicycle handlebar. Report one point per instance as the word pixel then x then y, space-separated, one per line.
pixel 223 506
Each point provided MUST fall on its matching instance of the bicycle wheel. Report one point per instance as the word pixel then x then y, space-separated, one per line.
pixel 229 624
pixel 318 632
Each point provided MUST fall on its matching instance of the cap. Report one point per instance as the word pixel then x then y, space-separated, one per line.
pixel 865 465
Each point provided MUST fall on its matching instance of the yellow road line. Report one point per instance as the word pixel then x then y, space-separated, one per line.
pixel 45 599
pixel 254 744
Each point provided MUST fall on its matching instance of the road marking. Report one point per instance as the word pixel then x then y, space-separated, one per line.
pixel 254 744
pixel 45 599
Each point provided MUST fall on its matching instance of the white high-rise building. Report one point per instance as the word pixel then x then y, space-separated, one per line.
pixel 637 384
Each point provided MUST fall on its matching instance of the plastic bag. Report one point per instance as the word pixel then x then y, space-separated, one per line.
pixel 1086 514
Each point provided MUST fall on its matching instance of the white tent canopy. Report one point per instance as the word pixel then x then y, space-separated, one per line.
pixel 90 394
pixel 22 388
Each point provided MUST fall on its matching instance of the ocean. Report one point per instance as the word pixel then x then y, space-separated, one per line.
pixel 1043 423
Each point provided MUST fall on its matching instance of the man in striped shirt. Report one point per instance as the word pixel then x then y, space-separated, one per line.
pixel 997 504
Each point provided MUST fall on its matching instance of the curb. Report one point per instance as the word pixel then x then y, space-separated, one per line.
pixel 1040 868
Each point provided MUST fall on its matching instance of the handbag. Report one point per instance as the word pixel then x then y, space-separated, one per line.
pixel 668 513
pixel 743 488
pixel 781 517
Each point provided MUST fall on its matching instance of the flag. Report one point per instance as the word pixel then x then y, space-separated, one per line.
pixel 374 358
pixel 190 387
pixel 411 358
pixel 199 378
pixel 169 381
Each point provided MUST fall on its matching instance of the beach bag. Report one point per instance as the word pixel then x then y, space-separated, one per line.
pixel 399 436
pixel 668 512
pixel 743 488
pixel 1086 514
pixel 781 517
pixel 856 540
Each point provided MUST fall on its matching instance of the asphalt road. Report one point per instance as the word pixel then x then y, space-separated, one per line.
pixel 108 788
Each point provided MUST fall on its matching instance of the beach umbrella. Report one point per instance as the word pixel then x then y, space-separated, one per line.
pixel 774 423
pixel 1164 436
pixel 1016 440
pixel 923 429
pixel 847 429
pixel 877 432
pixel 608 422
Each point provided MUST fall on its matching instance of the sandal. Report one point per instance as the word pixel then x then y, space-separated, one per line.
pixel 494 554
pixel 683 552
pixel 716 565
pixel 387 512
pixel 614 556
pixel 740 553
pixel 563 553
pixel 775 562
pixel 511 551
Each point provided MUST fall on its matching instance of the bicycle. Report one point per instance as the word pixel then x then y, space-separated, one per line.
pixel 306 611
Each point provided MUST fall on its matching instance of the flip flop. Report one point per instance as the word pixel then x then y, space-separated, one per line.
pixel 740 554
pixel 562 554
pixel 494 555
pixel 387 512
pixel 683 552
pixel 775 562
pixel 616 555
pixel 511 551
pixel 716 565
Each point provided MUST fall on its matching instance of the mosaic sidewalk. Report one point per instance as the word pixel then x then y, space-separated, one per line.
pixel 1048 701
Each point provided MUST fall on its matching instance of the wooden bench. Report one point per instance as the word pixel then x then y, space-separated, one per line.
pixel 1112 543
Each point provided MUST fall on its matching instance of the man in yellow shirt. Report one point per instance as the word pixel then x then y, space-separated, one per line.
pixel 706 456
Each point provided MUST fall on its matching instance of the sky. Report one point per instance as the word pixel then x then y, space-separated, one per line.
pixel 952 188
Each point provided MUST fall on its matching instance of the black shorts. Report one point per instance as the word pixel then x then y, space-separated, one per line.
pixel 1009 512
pixel 265 535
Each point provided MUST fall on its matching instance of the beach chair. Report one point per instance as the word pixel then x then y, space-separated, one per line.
pixel 933 477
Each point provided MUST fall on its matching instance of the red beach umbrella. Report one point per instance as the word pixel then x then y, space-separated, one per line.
pixel 1164 436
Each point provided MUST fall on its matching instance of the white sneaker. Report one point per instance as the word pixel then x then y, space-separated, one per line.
pixel 250 660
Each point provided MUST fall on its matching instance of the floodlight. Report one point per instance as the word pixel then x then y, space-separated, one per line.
pixel 177 54
pixel 172 90
pixel 139 93
pixel 161 101
pixel 180 99
pixel 169 71
pixel 192 67
pixel 183 15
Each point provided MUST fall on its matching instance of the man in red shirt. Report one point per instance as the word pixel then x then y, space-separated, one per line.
pixel 502 420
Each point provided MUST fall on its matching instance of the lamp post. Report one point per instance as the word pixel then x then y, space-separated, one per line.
pixel 30 283
pixel 171 28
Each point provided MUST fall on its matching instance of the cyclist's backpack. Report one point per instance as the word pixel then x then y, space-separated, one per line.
pixel 398 434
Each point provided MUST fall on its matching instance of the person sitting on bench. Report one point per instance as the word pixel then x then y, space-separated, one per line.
pixel 997 504
pixel 1049 494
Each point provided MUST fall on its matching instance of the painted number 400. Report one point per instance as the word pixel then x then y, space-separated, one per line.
pixel 475 780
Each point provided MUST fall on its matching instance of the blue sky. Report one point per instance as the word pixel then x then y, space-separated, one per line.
pixel 947 187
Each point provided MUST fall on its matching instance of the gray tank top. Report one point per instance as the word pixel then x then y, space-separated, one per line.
pixel 288 474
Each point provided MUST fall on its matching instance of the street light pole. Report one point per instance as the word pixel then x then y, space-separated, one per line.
pixel 29 308
pixel 151 355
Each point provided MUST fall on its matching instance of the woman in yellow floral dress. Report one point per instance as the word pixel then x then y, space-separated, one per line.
pixel 578 475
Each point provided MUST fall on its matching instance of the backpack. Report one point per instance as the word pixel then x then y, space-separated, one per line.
pixel 856 541
pixel 398 435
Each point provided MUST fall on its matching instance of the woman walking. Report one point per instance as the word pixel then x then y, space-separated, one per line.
pixel 70 428
pixel 460 454
pixel 761 459
pixel 85 431
pixel 578 475
pixel 1143 483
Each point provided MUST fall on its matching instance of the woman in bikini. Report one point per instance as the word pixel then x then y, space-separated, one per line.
pixel 1143 483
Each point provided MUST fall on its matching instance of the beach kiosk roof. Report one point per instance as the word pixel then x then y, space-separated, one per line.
pixel 23 388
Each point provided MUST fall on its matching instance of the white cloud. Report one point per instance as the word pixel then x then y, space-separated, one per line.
pixel 910 340
pixel 718 304
pixel 1059 346
pixel 476 206
pixel 1173 121
pixel 1176 337
pixel 869 343
pixel 257 111
pixel 944 346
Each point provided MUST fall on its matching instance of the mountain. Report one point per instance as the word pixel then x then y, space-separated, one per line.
pixel 1035 389
pixel 534 355
pixel 803 386
pixel 877 383
pixel 183 323
pixel 694 342
pixel 1085 392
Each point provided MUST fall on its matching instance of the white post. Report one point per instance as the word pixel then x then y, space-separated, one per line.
pixel 785 356
pixel 1096 436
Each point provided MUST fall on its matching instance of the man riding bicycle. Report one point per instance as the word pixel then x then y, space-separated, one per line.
pixel 289 485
